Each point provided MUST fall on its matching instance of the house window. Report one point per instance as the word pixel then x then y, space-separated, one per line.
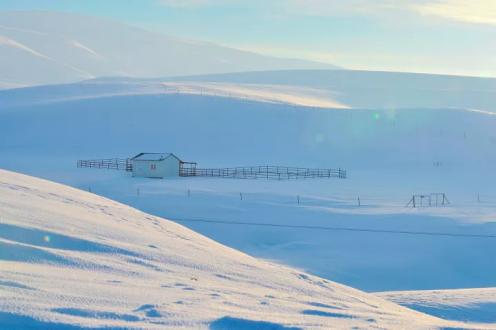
pixel 153 167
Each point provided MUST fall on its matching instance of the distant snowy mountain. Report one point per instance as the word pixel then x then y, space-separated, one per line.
pixel 50 47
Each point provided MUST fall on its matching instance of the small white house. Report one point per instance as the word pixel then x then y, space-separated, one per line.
pixel 156 165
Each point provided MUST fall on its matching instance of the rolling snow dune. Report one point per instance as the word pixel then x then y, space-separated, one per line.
pixel 298 96
pixel 376 90
pixel 333 89
pixel 54 47
pixel 72 259
pixel 196 127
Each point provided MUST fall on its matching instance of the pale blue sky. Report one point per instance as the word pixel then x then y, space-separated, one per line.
pixel 439 36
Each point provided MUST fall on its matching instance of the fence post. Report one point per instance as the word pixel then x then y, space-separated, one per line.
pixel 359 202
pixel 241 196
pixel 298 199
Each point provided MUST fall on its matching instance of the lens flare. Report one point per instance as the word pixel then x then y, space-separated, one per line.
pixel 319 138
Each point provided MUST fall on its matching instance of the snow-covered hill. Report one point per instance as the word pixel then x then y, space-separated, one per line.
pixel 389 155
pixel 375 90
pixel 92 89
pixel 54 47
pixel 72 259
pixel 109 117
pixel 336 89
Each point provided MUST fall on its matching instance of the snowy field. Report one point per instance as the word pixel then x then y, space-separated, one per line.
pixel 390 153
pixel 72 259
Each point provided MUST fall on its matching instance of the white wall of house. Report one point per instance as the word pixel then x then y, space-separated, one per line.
pixel 168 167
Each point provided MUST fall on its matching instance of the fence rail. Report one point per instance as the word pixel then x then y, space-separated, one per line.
pixel 111 164
pixel 265 172
pixel 251 172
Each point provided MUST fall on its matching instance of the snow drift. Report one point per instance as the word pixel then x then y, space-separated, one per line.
pixel 72 259
pixel 477 304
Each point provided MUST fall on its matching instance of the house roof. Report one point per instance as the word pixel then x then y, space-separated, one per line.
pixel 148 156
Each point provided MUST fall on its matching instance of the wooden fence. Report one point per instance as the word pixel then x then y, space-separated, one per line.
pixel 252 172
pixel 110 164
pixel 265 172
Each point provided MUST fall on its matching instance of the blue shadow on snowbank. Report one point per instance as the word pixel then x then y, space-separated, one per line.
pixel 326 314
pixel 480 313
pixel 96 314
pixel 230 323
pixel 43 238
pixel 22 253
pixel 20 322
